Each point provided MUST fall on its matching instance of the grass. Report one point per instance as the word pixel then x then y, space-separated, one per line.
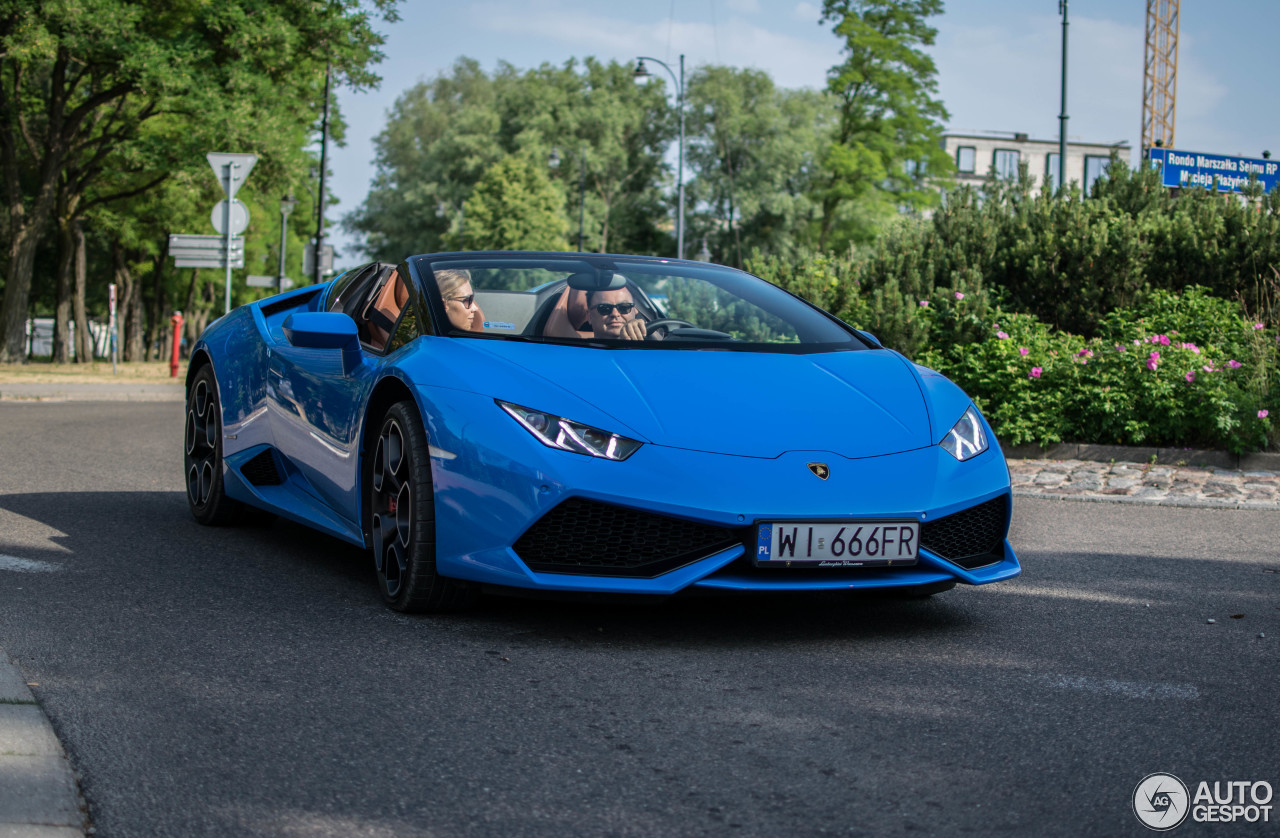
pixel 97 372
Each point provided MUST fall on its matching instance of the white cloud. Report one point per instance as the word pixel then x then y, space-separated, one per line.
pixel 806 11
pixel 791 61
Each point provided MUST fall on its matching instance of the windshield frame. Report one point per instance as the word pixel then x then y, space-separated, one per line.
pixel 812 320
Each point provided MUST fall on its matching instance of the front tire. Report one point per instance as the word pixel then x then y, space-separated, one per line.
pixel 402 524
pixel 202 457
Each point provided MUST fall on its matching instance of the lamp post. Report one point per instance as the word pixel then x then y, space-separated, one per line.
pixel 1062 115
pixel 554 162
pixel 286 206
pixel 643 72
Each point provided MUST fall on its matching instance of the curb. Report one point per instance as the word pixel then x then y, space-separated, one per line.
pixel 1258 461
pixel 40 797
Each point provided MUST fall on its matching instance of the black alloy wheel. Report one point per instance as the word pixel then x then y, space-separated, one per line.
pixel 202 457
pixel 402 523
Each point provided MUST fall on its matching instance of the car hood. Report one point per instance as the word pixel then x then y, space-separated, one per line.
pixel 854 403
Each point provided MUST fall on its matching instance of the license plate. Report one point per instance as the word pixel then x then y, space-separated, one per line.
pixel 824 544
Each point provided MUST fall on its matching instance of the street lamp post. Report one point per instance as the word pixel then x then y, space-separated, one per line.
pixel 642 72
pixel 286 206
pixel 1062 114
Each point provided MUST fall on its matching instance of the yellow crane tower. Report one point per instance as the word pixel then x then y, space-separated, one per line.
pixel 1160 74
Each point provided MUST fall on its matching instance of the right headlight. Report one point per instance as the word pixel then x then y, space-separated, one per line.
pixel 557 432
pixel 966 438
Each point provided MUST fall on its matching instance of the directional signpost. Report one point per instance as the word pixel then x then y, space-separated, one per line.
pixel 205 251
pixel 231 169
pixel 1184 169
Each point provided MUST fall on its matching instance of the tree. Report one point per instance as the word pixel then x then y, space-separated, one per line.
pixel 443 135
pixel 81 82
pixel 753 150
pixel 516 206
pixel 887 138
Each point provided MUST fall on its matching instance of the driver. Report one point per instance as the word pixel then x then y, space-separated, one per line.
pixel 612 314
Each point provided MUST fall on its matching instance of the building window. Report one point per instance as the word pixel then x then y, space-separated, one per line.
pixel 966 159
pixel 1006 164
pixel 1094 168
pixel 1051 169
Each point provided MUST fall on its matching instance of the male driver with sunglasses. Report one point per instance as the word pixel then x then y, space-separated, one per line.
pixel 612 314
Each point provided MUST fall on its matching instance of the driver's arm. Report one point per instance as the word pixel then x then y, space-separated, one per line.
pixel 633 329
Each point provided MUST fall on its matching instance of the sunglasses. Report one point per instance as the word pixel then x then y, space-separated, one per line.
pixel 466 301
pixel 606 308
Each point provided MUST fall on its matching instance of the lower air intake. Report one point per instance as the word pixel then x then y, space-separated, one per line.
pixel 599 539
pixel 970 538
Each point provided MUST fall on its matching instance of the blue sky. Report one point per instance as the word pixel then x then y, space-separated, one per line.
pixel 998 62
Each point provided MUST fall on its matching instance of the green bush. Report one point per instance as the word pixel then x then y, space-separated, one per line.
pixel 1181 370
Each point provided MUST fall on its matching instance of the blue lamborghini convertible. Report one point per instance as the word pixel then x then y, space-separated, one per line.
pixel 592 423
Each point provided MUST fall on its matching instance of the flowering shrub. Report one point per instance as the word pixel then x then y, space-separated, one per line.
pixel 1179 370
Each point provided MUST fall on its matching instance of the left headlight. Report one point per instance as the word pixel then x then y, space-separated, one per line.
pixel 557 432
pixel 966 438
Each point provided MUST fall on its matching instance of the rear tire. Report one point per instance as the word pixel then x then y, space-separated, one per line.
pixel 202 457
pixel 402 519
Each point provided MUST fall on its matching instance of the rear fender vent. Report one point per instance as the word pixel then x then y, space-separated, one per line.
pixel 261 470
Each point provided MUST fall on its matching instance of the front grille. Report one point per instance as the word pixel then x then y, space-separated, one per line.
pixel 970 538
pixel 598 539
pixel 260 470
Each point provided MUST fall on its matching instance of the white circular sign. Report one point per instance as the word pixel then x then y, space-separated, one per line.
pixel 1161 802
pixel 239 217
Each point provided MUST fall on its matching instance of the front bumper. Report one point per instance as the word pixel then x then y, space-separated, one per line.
pixel 494 482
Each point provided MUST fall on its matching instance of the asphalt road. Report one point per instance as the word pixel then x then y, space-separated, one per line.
pixel 250 682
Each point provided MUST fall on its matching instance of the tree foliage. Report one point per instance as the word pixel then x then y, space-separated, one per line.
pixel 887 139
pixel 101 101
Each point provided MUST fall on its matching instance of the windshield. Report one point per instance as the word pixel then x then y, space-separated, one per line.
pixel 616 302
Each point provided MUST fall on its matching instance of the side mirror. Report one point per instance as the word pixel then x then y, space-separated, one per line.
pixel 325 330
pixel 870 338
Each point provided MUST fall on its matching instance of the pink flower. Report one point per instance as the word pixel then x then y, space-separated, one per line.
pixel 1022 350
pixel 1234 364
pixel 1137 342
pixel 1085 353
pixel 959 295
pixel 1035 372
pixel 1208 368
pixel 1152 363
pixel 924 303
pixel 1155 356
pixel 1164 339
pixel 1191 376
pixel 1002 335
pixel 1257 326
pixel 1263 414
pixel 1119 347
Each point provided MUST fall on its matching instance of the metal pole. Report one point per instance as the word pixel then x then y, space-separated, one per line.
pixel 582 193
pixel 285 206
pixel 226 228
pixel 1062 116
pixel 680 175
pixel 324 147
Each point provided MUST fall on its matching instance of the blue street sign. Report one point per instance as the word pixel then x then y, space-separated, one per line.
pixel 1185 169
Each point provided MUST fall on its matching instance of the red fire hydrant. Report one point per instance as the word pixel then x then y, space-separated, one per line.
pixel 176 320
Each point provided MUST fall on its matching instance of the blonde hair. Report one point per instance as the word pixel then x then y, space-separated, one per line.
pixel 449 280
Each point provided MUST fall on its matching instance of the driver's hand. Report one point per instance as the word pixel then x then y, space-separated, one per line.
pixel 633 330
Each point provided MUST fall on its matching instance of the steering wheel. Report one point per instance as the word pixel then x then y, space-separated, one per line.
pixel 667 323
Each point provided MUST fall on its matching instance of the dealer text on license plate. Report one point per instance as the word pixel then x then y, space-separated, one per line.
pixel 823 544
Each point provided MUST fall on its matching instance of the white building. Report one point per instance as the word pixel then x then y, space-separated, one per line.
pixel 975 155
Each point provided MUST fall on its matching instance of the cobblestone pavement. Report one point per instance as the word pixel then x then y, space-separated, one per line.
pixel 1150 484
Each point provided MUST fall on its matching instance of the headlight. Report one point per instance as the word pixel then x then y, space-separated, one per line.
pixel 966 438
pixel 558 432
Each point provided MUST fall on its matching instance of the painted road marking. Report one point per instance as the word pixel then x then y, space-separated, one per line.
pixel 27 565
